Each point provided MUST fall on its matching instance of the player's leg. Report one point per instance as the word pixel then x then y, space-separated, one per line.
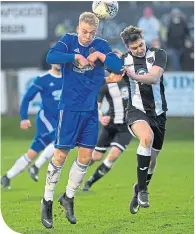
pixel 104 139
pixel 66 135
pixel 143 131
pixel 52 178
pixel 86 142
pixel 22 162
pixel 158 128
pixel 20 165
pixel 46 125
pixel 76 175
pixel 118 145
pixel 103 168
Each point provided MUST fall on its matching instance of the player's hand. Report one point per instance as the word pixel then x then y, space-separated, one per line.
pixel 129 72
pixel 105 120
pixel 25 124
pixel 81 60
pixel 114 78
pixel 93 57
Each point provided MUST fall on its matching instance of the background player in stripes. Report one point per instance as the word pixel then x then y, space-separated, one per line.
pixel 146 115
pixel 114 133
pixel 49 86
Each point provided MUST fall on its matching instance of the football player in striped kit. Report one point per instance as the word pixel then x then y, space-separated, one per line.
pixel 146 114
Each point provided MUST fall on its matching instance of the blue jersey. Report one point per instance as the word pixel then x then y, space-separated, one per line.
pixel 81 85
pixel 49 86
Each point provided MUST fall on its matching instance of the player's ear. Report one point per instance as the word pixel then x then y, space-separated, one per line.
pixel 77 29
pixel 127 47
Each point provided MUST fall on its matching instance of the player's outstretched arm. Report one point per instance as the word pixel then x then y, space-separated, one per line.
pixel 153 76
pixel 58 54
pixel 106 56
pixel 29 95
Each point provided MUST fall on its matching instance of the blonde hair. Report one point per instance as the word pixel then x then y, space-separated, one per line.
pixel 89 18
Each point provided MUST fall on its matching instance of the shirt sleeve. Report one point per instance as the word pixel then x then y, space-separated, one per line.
pixel 58 54
pixel 112 61
pixel 102 92
pixel 161 59
pixel 62 44
pixel 32 91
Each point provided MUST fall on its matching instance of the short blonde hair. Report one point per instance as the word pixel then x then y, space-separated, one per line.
pixel 89 18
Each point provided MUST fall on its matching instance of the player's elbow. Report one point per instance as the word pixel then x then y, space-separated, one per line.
pixel 154 81
pixel 50 57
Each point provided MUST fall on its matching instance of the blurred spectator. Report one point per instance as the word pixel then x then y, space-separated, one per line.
pixel 187 56
pixel 176 34
pixel 150 25
pixel 155 43
pixel 44 65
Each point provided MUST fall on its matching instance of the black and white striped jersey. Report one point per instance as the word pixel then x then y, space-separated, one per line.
pixel 117 96
pixel 148 98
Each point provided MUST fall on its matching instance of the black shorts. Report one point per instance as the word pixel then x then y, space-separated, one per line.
pixel 157 124
pixel 113 135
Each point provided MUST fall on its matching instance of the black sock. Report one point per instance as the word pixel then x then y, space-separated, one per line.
pixel 142 171
pixel 149 177
pixel 99 173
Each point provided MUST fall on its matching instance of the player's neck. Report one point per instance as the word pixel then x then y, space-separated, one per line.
pixel 55 73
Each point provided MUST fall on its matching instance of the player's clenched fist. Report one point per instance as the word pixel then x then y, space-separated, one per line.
pixel 25 124
pixel 114 78
pixel 81 60
pixel 93 57
pixel 105 120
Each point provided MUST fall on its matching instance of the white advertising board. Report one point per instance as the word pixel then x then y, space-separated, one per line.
pixel 3 93
pixel 179 91
pixel 24 21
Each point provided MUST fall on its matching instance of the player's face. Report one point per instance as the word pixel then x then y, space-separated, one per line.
pixel 57 67
pixel 137 48
pixel 86 33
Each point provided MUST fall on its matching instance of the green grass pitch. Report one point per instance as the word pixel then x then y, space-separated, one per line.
pixel 105 209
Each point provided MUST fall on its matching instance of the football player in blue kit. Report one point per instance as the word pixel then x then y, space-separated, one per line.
pixel 82 57
pixel 49 86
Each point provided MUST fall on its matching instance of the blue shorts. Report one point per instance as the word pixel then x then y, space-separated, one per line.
pixel 76 128
pixel 45 134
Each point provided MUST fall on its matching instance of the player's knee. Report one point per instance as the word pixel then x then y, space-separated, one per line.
pixel 31 154
pixel 60 156
pixel 84 159
pixel 152 163
pixel 147 139
pixel 114 153
pixel 97 156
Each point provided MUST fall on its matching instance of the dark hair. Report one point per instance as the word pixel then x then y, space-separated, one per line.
pixel 131 34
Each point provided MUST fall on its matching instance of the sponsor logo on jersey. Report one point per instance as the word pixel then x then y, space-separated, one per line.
pixel 77 67
pixel 77 50
pixel 150 60
pixel 91 50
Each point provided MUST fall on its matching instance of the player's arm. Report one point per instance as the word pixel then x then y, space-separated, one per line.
pixel 58 54
pixel 29 95
pixel 156 71
pixel 106 56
